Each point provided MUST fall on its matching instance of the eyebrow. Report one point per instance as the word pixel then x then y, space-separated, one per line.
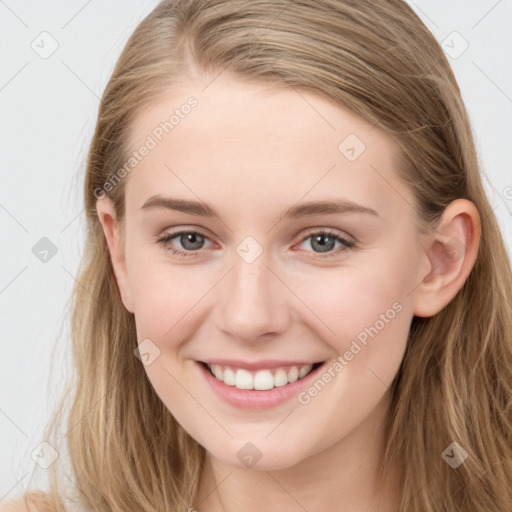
pixel 297 211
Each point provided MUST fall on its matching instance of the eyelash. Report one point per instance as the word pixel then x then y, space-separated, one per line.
pixel 165 239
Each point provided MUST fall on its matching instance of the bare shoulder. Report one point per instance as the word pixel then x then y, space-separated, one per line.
pixel 13 506
pixel 18 505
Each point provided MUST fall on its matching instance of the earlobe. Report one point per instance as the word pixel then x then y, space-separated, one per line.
pixel 452 252
pixel 113 235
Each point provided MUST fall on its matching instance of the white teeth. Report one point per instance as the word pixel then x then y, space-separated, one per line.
pixel 305 370
pixel 243 379
pixel 217 370
pixel 229 377
pixel 261 380
pixel 293 374
pixel 280 378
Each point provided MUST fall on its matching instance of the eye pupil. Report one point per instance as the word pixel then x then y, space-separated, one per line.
pixel 196 240
pixel 323 246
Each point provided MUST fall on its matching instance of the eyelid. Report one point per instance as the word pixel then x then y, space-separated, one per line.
pixel 347 244
pixel 175 231
pixel 304 236
pixel 169 235
pixel 332 231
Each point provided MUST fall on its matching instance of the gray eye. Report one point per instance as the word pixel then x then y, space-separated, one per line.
pixel 191 241
pixel 322 242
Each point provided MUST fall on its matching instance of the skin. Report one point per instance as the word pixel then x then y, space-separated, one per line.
pixel 251 151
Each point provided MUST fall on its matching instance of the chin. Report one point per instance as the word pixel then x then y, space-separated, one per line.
pixel 264 455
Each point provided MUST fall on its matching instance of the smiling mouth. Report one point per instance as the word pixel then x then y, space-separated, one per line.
pixel 260 380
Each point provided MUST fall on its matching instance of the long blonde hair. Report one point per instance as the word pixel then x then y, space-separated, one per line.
pixel 454 385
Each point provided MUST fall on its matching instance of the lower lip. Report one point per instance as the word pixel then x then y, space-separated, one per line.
pixel 254 399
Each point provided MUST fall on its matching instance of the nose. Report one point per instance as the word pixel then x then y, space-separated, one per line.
pixel 252 301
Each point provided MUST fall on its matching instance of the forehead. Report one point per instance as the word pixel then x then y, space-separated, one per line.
pixel 260 143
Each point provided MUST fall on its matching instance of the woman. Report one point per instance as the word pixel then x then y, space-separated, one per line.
pixel 295 294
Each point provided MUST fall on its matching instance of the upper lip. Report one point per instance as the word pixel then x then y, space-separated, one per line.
pixel 257 365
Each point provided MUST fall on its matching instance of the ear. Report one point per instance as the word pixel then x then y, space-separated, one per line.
pixel 451 253
pixel 113 234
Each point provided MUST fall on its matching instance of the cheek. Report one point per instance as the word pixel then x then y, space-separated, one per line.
pixel 364 314
pixel 167 297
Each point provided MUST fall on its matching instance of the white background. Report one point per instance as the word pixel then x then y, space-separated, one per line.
pixel 48 109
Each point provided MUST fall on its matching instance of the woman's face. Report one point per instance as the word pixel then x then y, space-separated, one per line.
pixel 256 283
